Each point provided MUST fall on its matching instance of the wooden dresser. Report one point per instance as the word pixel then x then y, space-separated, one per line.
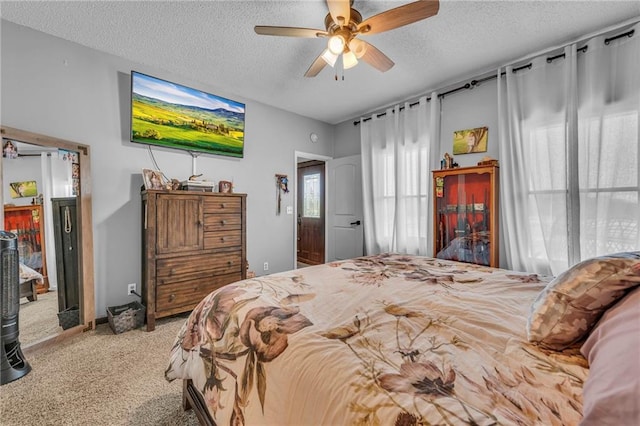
pixel 192 243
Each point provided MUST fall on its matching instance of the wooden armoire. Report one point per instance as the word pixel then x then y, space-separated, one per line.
pixel 65 231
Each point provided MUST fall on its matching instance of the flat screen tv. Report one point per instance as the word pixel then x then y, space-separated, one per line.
pixel 175 116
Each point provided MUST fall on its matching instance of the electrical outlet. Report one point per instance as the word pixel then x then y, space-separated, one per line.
pixel 266 266
pixel 131 288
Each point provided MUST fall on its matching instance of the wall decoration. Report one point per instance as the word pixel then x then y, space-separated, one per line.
pixel 67 155
pixel 10 150
pixel 23 189
pixel 471 140
pixel 282 186
pixel 152 179
pixel 75 170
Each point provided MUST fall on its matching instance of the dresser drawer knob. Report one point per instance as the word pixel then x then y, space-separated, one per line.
pixel 230 263
pixel 223 222
pixel 223 239
pixel 172 297
pixel 223 205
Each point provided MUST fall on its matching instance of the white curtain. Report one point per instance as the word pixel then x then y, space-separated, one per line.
pixel 56 182
pixel 49 237
pixel 397 159
pixel 568 141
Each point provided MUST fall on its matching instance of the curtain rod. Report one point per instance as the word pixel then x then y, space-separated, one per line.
pixel 34 155
pixel 474 82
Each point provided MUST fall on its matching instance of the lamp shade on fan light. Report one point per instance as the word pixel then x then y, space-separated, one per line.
pixel 329 57
pixel 336 44
pixel 349 60
pixel 358 47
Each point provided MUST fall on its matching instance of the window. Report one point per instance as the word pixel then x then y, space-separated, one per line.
pixel 311 200
pixel 608 187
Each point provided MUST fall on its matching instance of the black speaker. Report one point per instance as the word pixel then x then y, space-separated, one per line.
pixel 14 366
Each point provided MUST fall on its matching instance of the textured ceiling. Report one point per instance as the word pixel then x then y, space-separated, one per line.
pixel 213 42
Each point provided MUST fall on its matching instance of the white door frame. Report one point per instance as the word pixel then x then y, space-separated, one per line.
pixel 308 156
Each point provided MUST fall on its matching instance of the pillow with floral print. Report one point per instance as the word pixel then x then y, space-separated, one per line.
pixel 570 305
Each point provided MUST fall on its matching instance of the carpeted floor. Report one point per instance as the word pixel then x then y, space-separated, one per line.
pixel 100 378
pixel 38 319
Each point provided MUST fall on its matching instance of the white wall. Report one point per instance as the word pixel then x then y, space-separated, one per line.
pixel 347 139
pixel 21 170
pixel 468 109
pixel 61 89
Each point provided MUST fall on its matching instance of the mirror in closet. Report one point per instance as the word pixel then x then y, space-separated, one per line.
pixel 47 204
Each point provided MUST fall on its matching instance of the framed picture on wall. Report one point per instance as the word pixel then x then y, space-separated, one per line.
pixel 470 140
pixel 23 189
pixel 9 150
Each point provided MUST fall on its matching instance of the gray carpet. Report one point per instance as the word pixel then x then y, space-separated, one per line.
pixel 100 378
pixel 38 319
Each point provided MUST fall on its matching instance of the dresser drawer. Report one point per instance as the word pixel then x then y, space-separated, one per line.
pixel 222 222
pixel 220 263
pixel 222 239
pixel 232 205
pixel 179 296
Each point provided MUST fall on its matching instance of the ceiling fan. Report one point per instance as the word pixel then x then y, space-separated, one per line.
pixel 344 24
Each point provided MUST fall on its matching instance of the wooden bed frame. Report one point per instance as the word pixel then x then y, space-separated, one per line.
pixel 28 290
pixel 191 399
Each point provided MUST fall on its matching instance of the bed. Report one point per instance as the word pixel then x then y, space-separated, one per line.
pixel 29 278
pixel 405 340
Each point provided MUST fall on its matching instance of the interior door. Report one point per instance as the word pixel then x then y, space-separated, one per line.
pixel 345 237
pixel 311 212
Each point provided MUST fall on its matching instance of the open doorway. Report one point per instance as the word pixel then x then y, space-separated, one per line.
pixel 311 213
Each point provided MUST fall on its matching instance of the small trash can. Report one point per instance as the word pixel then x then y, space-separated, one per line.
pixel 70 317
pixel 126 317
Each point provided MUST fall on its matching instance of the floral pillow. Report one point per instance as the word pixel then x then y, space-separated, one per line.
pixel 569 306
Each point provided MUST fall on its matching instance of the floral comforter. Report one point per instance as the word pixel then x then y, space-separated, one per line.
pixel 386 339
pixel 27 274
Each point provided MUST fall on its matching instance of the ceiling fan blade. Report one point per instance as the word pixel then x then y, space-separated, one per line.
pixel 376 58
pixel 340 11
pixel 289 31
pixel 316 67
pixel 399 16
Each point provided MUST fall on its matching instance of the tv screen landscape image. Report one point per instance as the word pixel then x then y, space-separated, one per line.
pixel 175 116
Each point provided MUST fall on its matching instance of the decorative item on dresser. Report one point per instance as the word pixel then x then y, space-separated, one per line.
pixel 27 222
pixel 192 243
pixel 466 214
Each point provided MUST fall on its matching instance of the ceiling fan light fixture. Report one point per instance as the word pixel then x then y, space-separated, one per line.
pixel 358 47
pixel 329 57
pixel 349 60
pixel 336 44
